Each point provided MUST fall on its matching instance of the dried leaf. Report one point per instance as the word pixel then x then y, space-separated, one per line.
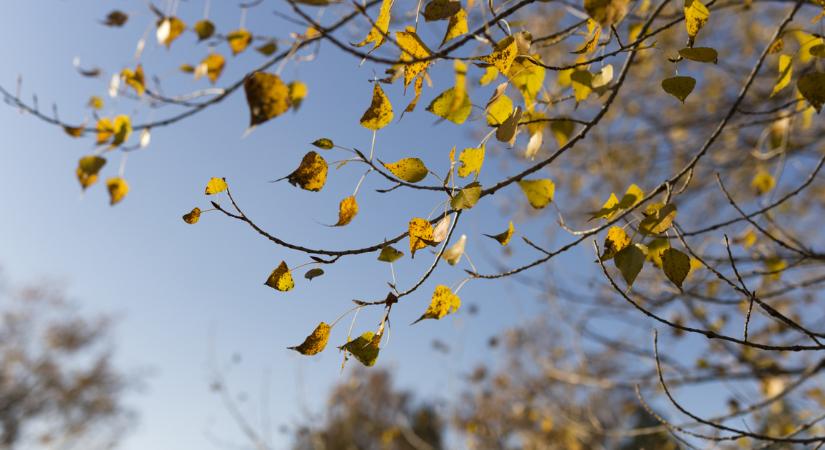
pixel 443 302
pixel 193 216
pixel 267 97
pixel 347 210
pixel 88 168
pixel 421 234
pixel 311 174
pixel 379 114
pixel 239 40
pixel 314 343
pixel 281 278
pixel 504 237
pixel 118 188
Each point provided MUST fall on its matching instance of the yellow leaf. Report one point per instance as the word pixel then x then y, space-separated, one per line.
pixel 417 87
pixel 539 192
pixel 679 86
pixel 297 93
pixel 471 161
pixel 696 16
pixel 378 31
pixel 311 174
pixel 95 102
pixel 503 55
pixel 211 67
pixel 411 170
pixel 118 188
pixel 615 241
pixel 606 12
pixel 74 131
pixel 499 110
pixel 562 130
pixel 412 48
pixel 608 209
pixel 134 79
pixel 324 143
pixel 122 129
pixel 389 254
pixel 442 303
pixel 193 216
pixel 785 70
pixel 676 266
pixel 347 210
pixel 807 42
pixel 467 197
pixel 281 278
pixel 658 218
pixel 238 40
pixel 169 28
pixel 527 77
pixel 88 168
pixel 812 87
pixel 105 129
pixel 421 234
pixel 763 182
pixel 364 348
pixel 490 74
pixel 444 106
pixel 630 261
pixel 267 97
pixel 602 78
pixel 655 249
pixel 204 29
pixel 454 253
pixel 632 196
pixel 440 10
pixel 504 237
pixel 215 186
pixel 379 114
pixel 592 38
pixel 700 54
pixel 314 343
pixel 456 27
pixel 582 87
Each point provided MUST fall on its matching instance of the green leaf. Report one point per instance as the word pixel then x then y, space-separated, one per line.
pixel 630 261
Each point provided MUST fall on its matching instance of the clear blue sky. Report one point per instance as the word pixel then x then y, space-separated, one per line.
pixel 175 287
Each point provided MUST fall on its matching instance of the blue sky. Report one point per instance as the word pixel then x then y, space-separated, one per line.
pixel 181 290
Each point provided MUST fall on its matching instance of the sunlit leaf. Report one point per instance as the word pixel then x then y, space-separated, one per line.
pixel 389 254
pixel 193 216
pixel 581 81
pixel 311 174
pixel 443 302
pixel 527 77
pixel 421 234
pixel 364 348
pixel 324 143
pixel 412 48
pixel 267 97
pixel 411 170
pixel 118 188
pixel 538 192
pixel 169 29
pixel 467 197
pixel 314 343
pixel 281 278
pixel 504 237
pixel 785 70
pixel 471 161
pixel 121 130
pixel 658 218
pixel 347 210
pixel 615 241
pixel 456 27
pixel 88 168
pixel 239 40
pixel 134 79
pixel 608 209
pixel 454 252
pixel 379 113
pixel 499 110
pixel 215 186
pixel 297 93
pixel 696 16
pixel 763 182
pixel 602 78
pixel 210 67
pixel 378 31
pixel 95 102
pixel 503 55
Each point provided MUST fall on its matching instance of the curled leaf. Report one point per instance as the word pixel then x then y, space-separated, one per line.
pixel 267 97
pixel 118 188
pixel 421 234
pixel 210 67
pixel 316 342
pixel 379 29
pixel 88 168
pixel 134 79
pixel 347 210
pixel 311 174
pixel 281 278
pixel 443 302
pixel 454 253
pixel 169 28
pixel 504 237
pixel 193 216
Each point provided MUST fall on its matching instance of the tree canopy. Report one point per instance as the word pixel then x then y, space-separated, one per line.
pixel 676 141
